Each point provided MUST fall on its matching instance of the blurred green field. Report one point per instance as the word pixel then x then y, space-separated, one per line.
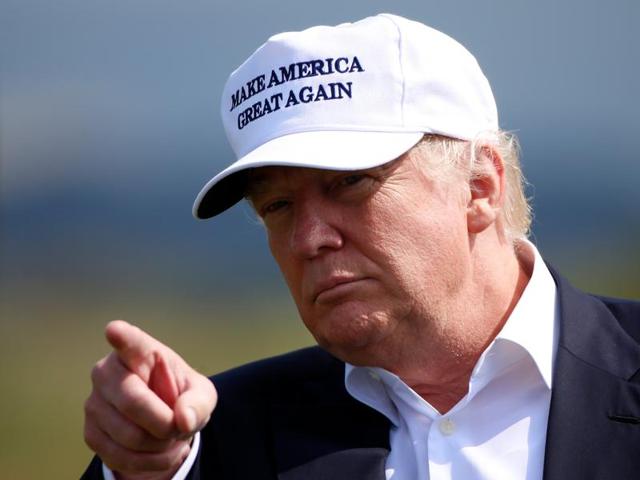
pixel 48 350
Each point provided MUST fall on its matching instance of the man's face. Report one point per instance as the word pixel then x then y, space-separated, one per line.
pixel 368 255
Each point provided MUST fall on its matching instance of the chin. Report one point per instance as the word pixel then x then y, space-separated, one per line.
pixel 347 332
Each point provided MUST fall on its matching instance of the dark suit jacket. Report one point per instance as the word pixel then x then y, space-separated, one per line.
pixel 290 417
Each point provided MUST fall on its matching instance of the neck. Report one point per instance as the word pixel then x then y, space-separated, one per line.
pixel 440 373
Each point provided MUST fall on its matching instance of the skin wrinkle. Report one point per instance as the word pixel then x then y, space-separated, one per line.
pixel 395 187
pixel 429 249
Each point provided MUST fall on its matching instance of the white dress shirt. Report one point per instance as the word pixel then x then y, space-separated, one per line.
pixel 498 430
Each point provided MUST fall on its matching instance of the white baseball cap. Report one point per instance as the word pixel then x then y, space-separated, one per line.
pixel 348 97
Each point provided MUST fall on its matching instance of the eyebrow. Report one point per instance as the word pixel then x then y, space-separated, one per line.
pixel 256 183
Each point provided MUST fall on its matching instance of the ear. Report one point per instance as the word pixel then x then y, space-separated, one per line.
pixel 487 189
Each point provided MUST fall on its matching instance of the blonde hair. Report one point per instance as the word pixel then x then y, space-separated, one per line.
pixel 448 157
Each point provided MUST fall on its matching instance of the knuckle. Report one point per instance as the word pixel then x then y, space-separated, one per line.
pixel 137 411
pixel 133 438
pixel 162 433
pixel 131 404
pixel 122 458
pixel 90 408
pixel 97 371
pixel 127 396
pixel 93 439
pixel 90 439
pixel 141 462
pixel 132 464
pixel 119 460
pixel 117 464
pixel 172 458
pixel 163 462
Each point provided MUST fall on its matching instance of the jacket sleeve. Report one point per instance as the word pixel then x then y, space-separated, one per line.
pixel 94 470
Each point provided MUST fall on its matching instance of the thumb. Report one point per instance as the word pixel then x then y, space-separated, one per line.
pixel 194 406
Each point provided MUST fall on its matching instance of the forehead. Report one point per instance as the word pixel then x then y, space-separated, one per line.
pixel 272 173
pixel 262 179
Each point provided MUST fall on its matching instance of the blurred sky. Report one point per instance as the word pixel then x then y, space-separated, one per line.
pixel 109 126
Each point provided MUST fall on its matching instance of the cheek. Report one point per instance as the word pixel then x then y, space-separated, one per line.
pixel 424 250
pixel 283 260
pixel 290 268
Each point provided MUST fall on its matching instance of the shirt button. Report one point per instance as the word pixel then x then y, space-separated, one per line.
pixel 447 427
pixel 374 375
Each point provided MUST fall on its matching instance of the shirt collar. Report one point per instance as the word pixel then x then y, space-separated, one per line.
pixel 533 324
pixel 369 385
pixel 531 330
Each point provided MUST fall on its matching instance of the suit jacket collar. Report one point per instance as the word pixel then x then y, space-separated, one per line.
pixel 587 435
pixel 329 435
pixel 590 332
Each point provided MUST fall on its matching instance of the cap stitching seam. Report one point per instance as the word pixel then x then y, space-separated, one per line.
pixel 402 94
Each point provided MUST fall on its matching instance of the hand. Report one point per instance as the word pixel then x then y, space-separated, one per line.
pixel 145 406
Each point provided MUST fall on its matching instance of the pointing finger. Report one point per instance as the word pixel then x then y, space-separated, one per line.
pixel 132 397
pixel 134 347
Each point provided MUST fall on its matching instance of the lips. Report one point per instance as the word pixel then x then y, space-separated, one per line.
pixel 332 284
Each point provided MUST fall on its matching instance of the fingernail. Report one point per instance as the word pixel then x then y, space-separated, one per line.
pixel 191 419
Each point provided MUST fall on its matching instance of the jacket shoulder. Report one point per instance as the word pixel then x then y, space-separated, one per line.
pixel 627 312
pixel 258 403
pixel 282 375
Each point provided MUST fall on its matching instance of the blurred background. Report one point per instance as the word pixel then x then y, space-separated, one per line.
pixel 109 126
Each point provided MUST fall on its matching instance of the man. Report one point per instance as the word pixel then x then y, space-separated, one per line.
pixel 394 207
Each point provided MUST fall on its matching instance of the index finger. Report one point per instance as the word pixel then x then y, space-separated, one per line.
pixel 134 347
pixel 129 394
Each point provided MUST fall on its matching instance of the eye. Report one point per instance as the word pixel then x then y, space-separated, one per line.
pixel 351 179
pixel 346 182
pixel 273 207
pixel 352 186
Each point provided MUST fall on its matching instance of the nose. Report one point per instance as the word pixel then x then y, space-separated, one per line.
pixel 315 229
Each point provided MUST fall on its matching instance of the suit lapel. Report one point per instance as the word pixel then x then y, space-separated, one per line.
pixel 359 463
pixel 591 432
pixel 324 433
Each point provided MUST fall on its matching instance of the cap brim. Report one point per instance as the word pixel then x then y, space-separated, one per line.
pixel 328 150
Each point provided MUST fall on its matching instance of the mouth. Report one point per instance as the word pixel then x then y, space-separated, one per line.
pixel 335 287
